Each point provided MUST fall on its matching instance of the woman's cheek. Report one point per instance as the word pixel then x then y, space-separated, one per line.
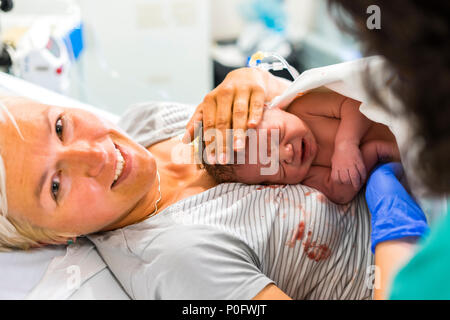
pixel 89 194
pixel 93 205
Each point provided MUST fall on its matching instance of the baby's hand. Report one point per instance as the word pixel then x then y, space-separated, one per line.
pixel 347 165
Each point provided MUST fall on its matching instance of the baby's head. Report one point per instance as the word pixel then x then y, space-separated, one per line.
pixel 279 151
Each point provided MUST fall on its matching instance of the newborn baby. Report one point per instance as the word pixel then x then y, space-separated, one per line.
pixel 324 143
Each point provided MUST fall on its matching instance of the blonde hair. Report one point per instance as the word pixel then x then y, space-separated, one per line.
pixel 15 233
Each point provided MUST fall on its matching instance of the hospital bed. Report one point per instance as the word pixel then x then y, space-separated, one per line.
pixel 42 273
pixel 45 273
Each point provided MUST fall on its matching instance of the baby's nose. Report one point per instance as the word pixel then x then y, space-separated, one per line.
pixel 287 153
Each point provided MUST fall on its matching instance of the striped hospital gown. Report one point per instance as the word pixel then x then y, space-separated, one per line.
pixel 230 241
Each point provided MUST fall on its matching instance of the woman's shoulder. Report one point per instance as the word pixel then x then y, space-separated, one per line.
pixel 161 238
pixel 152 110
pixel 150 122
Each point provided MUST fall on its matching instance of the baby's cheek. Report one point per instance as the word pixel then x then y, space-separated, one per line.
pixel 295 175
pixel 247 173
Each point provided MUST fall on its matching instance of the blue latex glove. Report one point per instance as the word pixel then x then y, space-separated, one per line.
pixel 395 214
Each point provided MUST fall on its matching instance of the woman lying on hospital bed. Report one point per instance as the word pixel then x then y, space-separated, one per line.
pixel 165 228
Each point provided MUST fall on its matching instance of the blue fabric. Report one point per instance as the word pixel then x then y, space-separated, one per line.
pixel 270 12
pixel 395 214
pixel 74 41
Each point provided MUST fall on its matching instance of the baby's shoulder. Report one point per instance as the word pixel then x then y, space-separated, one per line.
pixel 298 107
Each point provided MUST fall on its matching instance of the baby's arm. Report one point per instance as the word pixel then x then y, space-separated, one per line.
pixel 373 152
pixel 320 178
pixel 347 162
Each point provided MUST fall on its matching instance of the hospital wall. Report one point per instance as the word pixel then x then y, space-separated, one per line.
pixel 140 50
pixel 145 50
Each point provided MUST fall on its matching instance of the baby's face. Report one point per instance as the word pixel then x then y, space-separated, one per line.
pixel 290 160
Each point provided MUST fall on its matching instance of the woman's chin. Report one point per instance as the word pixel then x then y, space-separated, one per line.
pixel 148 171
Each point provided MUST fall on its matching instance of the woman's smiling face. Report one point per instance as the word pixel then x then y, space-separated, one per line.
pixel 62 175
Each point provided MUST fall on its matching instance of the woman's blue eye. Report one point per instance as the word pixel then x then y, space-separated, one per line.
pixel 55 188
pixel 59 128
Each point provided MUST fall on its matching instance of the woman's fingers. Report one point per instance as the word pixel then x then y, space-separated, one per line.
pixel 224 101
pixel 240 117
pixel 257 100
pixel 237 103
pixel 190 127
pixel 209 123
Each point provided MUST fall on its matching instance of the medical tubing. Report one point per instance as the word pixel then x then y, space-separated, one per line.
pixel 256 60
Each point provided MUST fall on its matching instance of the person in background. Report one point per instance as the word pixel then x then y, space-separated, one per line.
pixel 413 263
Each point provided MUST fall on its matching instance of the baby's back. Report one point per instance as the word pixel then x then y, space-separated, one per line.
pixel 325 130
pixel 377 144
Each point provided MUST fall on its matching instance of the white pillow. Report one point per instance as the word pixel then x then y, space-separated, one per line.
pixel 22 270
pixel 80 273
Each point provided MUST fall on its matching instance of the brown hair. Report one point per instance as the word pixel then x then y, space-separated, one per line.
pixel 414 39
pixel 221 172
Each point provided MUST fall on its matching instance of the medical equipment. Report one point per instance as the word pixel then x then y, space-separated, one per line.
pixel 42 47
pixel 271 61
pixel 6 5
pixel 39 57
pixel 5 59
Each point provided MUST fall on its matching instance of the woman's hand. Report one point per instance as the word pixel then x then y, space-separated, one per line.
pixel 237 103
pixel 395 214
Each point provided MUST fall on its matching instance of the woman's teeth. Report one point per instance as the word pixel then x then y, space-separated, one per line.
pixel 120 163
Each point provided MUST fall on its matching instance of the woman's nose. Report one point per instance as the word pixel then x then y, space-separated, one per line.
pixel 287 153
pixel 90 157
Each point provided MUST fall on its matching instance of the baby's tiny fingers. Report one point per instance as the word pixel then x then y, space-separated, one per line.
pixel 344 176
pixel 362 171
pixel 355 178
pixel 335 175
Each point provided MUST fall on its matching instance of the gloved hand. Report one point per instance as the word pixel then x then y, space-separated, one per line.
pixel 395 214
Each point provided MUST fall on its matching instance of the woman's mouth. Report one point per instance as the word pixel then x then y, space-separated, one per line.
pixel 122 167
pixel 119 164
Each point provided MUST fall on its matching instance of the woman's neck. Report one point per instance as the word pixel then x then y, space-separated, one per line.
pixel 181 181
pixel 178 179
pixel 141 210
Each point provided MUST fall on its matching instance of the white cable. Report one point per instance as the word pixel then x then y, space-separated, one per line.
pixel 160 196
